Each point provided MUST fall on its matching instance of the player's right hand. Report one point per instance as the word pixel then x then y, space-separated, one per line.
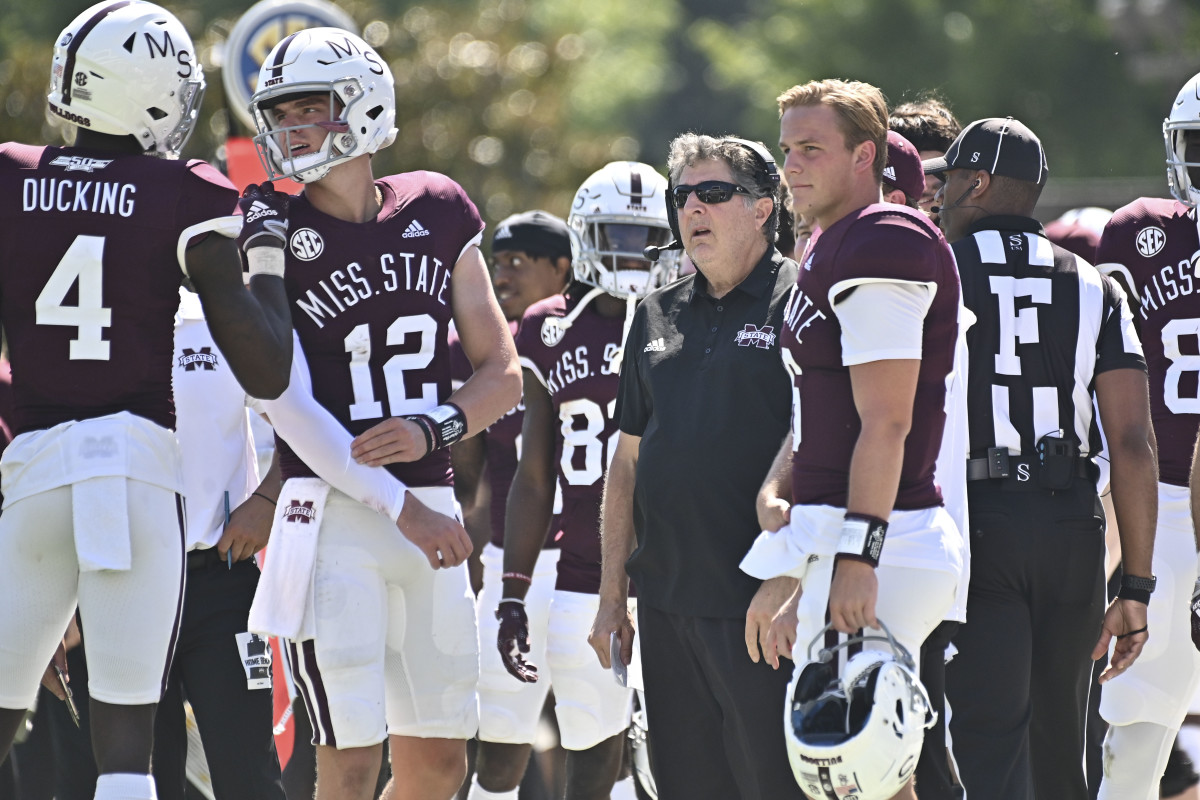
pixel 1196 615
pixel 513 640
pixel 264 216
pixel 442 539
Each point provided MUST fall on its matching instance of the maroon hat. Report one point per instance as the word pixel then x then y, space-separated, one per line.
pixel 904 170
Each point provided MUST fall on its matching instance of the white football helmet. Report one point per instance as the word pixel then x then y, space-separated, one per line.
pixel 1184 116
pixel 128 68
pixel 362 98
pixel 859 734
pixel 617 213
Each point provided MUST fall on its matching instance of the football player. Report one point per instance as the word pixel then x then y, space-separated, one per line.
pixel 376 270
pixel 1151 246
pixel 869 339
pixel 531 256
pixel 571 347
pixel 95 237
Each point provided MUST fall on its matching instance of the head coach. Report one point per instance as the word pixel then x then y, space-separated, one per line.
pixel 703 402
pixel 1051 332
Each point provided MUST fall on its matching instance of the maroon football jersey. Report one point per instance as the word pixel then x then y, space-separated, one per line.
pixel 502 440
pixel 887 242
pixel 1156 243
pixel 89 277
pixel 577 372
pixel 371 306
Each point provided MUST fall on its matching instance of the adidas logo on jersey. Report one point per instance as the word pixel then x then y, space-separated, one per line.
pixel 414 230
pixel 655 346
pixel 259 209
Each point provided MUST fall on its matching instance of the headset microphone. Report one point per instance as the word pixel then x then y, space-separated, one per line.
pixel 958 202
pixel 652 253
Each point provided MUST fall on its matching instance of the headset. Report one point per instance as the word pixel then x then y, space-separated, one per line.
pixel 766 179
pixel 959 201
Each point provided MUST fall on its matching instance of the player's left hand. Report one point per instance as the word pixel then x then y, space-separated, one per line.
pixel 264 216
pixel 395 440
pixel 852 596
pixel 1126 620
pixel 774 599
pixel 512 640
pixel 248 530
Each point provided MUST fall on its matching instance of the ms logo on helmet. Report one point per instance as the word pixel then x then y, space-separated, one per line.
pixel 348 49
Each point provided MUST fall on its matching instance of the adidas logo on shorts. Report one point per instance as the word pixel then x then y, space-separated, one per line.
pixel 414 230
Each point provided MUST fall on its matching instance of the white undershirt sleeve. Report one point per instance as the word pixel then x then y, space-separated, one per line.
pixel 324 444
pixel 882 320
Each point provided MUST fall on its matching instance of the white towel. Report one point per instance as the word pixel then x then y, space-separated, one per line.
pixel 283 604
pixel 100 514
pixel 788 551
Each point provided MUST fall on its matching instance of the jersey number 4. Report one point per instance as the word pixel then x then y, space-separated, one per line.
pixel 83 263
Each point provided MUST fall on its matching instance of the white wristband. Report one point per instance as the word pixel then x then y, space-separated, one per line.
pixel 265 260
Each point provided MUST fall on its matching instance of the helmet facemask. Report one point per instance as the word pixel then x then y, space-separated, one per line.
pixel 1183 175
pixel 611 255
pixel 274 143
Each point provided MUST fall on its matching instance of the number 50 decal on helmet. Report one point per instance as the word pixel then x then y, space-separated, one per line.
pixel 856 734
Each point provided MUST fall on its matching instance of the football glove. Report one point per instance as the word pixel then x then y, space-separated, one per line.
pixel 513 640
pixel 264 216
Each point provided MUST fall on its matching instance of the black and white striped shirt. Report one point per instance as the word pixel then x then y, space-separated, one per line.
pixel 1048 323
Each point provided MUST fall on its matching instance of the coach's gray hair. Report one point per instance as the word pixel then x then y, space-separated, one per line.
pixel 688 149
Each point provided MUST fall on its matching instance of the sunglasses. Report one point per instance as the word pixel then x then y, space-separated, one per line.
pixel 708 192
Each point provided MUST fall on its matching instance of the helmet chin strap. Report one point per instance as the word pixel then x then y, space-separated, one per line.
pixel 631 301
pixel 618 356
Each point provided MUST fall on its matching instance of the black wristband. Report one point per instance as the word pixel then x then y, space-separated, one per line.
pixel 862 538
pixel 1135 587
pixel 443 426
pixel 1138 595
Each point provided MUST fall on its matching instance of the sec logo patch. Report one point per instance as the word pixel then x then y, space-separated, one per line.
pixel 1151 241
pixel 306 244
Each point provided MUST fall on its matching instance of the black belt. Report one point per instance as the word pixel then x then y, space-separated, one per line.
pixel 981 469
pixel 201 558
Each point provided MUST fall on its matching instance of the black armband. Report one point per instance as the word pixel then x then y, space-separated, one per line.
pixel 862 538
pixel 1134 587
pixel 442 426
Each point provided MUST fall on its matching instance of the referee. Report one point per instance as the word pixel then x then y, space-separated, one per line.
pixel 1051 331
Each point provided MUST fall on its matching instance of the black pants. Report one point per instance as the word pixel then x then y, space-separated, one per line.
pixel 234 721
pixel 933 769
pixel 1018 688
pixel 715 718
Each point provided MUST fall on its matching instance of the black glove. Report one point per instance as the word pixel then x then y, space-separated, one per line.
pixel 264 216
pixel 513 639
pixel 1196 615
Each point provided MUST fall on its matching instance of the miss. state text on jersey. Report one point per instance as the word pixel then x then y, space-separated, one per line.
pixel 408 272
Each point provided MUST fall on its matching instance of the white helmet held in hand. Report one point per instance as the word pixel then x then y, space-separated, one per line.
pixel 362 101
pixel 1184 117
pixel 858 734
pixel 617 213
pixel 128 68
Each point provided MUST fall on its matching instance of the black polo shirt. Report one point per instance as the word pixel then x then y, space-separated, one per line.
pixel 704 385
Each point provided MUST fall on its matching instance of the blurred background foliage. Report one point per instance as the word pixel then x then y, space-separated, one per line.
pixel 519 100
